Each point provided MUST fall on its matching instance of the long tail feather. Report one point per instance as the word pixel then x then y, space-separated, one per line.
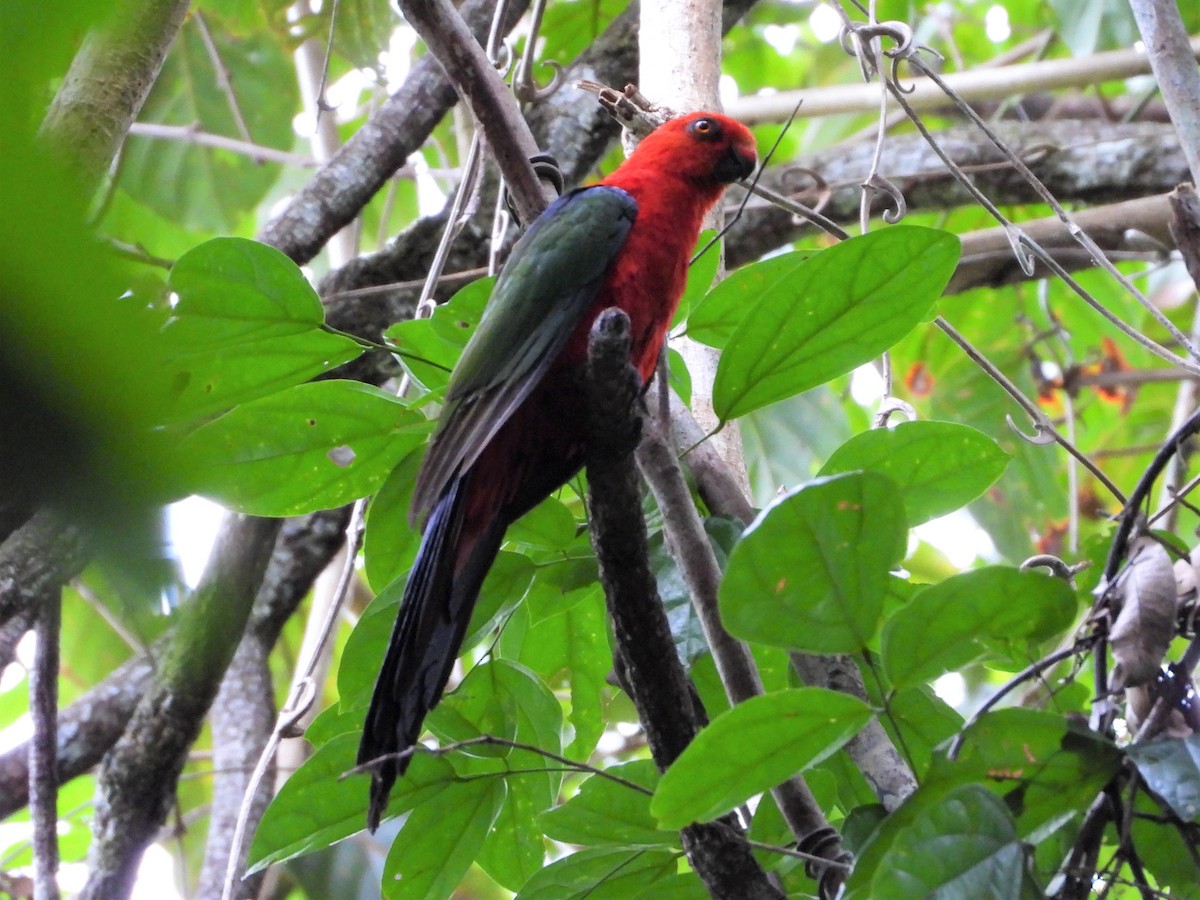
pixel 426 639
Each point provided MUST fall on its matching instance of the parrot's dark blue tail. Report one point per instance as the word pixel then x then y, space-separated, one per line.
pixel 427 637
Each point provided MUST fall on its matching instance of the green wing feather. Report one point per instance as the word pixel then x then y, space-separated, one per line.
pixel 551 278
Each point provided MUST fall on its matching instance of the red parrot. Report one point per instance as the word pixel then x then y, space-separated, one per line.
pixel 511 428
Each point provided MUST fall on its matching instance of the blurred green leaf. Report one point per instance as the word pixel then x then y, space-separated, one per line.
pixel 601 874
pixel 389 541
pixel 811 571
pixel 1045 769
pixel 1172 770
pixel 548 526
pixel 439 841
pixel 365 648
pixel 202 187
pixel 571 653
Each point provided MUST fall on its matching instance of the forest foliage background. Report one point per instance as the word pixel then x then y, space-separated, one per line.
pixel 150 351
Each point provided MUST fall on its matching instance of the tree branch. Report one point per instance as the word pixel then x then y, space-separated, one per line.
pixel 90 726
pixel 649 667
pixel 107 84
pixel 872 751
pixel 344 185
pixel 1081 162
pixel 985 84
pixel 493 104
pixel 137 780
pixel 698 564
pixel 1173 58
pixel 39 557
pixel 43 785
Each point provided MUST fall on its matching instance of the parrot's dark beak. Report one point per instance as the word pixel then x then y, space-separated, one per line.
pixel 738 163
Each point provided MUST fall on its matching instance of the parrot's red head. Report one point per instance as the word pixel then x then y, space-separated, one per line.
pixel 706 148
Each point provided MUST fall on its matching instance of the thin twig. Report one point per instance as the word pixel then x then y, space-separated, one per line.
pixel 224 84
pixel 1040 422
pixel 193 135
pixel 43 749
pixel 299 701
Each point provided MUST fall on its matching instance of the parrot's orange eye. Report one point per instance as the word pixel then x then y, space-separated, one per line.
pixel 706 129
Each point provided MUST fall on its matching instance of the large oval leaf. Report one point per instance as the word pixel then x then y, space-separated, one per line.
pixel 938 466
pixel 960 619
pixel 439 841
pixel 718 315
pixel 811 572
pixel 964 846
pixel 313 446
pixel 246 324
pixel 753 747
pixel 837 311
pixel 608 813
pixel 315 808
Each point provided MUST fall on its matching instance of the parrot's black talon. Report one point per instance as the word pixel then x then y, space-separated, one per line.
pixel 546 168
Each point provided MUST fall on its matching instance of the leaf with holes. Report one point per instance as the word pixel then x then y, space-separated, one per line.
pixel 246 324
pixel 313 446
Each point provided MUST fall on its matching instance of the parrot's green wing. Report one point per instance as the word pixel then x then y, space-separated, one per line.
pixel 548 283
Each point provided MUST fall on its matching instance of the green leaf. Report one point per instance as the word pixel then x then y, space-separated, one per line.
pixel 786 441
pixel 312 446
pixel 389 541
pixel 966 845
pixel 571 653
pixel 315 809
pixel 716 318
pixel 232 291
pixel 1046 770
pixel 439 841
pixel 247 324
pixel 753 747
pixel 515 850
pixel 811 572
pixel 834 312
pixel 548 526
pixel 601 874
pixel 362 31
pixel 949 624
pixel 1172 770
pixel 700 273
pixel 202 187
pixel 938 466
pixel 506 700
pixel 367 644
pixel 607 813
pixel 429 348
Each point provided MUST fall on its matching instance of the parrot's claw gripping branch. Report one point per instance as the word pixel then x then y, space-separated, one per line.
pixel 653 674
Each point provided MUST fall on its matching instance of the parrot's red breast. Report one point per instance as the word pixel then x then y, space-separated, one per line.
pixel 511 428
